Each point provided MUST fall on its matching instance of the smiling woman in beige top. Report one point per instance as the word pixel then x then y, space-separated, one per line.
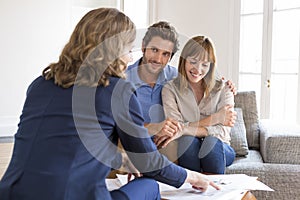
pixel 202 103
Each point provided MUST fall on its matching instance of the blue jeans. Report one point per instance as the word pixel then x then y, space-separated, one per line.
pixel 208 154
pixel 139 188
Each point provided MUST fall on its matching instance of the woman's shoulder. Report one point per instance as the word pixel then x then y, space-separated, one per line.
pixel 172 84
pixel 120 86
pixel 116 81
pixel 40 79
pixel 37 82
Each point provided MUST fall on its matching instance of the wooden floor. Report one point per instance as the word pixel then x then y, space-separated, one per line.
pixel 5 155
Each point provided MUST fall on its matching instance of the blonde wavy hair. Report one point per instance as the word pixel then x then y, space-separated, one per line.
pixel 93 52
pixel 198 47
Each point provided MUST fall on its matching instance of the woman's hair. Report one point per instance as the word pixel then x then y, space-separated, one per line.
pixel 92 54
pixel 165 31
pixel 199 47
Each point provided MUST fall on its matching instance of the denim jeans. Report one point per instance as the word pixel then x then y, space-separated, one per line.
pixel 208 154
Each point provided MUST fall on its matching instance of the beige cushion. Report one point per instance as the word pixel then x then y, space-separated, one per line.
pixel 247 102
pixel 238 135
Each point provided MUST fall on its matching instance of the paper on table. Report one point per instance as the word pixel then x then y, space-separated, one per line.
pixel 122 178
pixel 239 181
pixel 228 181
pixel 113 184
pixel 233 187
pixel 188 193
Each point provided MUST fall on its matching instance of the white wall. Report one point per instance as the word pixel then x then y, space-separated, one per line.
pixel 213 18
pixel 33 32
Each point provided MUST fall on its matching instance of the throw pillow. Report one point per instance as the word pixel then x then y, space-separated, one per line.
pixel 247 101
pixel 238 135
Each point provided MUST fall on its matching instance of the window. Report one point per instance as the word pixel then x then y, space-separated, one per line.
pixel 285 59
pixel 269 56
pixel 81 7
pixel 137 10
pixel 251 23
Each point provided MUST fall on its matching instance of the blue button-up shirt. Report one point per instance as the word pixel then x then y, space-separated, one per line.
pixel 150 97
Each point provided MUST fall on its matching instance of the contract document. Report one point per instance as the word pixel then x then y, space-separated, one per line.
pixel 233 187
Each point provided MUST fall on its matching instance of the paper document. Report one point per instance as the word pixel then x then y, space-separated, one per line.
pixel 233 187
pixel 239 181
pixel 113 184
pixel 186 192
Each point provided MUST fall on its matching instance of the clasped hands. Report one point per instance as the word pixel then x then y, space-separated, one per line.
pixel 171 129
pixel 225 116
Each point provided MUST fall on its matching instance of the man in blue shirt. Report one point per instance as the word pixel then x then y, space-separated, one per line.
pixel 151 72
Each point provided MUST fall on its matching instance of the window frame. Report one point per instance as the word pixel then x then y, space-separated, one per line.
pixel 266 54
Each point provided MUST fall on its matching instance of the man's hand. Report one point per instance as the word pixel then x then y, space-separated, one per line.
pixel 231 86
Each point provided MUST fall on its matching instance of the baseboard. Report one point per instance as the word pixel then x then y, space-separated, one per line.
pixel 8 139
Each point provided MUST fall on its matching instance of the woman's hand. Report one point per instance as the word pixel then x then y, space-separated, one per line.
pixel 170 128
pixel 199 181
pixel 164 141
pixel 226 116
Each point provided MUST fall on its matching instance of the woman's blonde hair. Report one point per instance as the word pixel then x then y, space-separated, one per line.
pixel 199 47
pixel 92 54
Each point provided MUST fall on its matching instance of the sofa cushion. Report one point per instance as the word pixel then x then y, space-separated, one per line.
pixel 280 142
pixel 238 135
pixel 253 156
pixel 247 101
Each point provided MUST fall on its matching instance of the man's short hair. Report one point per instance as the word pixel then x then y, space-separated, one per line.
pixel 164 30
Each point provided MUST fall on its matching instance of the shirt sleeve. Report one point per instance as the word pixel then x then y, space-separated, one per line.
pixel 220 131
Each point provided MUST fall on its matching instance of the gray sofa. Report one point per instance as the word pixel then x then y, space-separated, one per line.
pixel 267 149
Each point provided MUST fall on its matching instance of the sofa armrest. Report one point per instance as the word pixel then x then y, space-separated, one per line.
pixel 279 143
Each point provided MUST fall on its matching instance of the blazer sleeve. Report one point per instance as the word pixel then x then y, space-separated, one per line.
pixel 137 142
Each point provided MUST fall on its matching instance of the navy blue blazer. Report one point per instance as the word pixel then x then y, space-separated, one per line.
pixel 66 143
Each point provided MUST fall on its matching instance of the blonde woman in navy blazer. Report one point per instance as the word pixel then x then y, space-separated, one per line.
pixel 73 116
